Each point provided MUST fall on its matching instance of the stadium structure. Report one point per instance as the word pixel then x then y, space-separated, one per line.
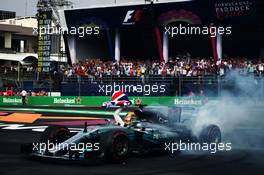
pixel 138 30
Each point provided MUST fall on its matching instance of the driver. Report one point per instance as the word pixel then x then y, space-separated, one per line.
pixel 130 117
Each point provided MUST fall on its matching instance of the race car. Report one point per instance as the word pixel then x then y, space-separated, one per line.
pixel 140 132
pixel 119 99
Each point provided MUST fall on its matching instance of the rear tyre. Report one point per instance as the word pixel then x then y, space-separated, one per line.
pixel 115 146
pixel 210 134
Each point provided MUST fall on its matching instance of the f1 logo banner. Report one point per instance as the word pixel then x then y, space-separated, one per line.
pixel 129 15
pixel 166 13
pixel 109 89
pixel 132 17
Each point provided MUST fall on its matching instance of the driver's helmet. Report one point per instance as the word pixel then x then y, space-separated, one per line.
pixel 129 118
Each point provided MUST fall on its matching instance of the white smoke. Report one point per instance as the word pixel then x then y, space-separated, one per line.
pixel 237 113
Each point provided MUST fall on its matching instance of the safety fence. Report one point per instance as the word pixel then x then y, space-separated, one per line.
pixel 210 86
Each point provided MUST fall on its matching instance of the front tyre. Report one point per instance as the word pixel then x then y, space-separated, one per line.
pixel 55 134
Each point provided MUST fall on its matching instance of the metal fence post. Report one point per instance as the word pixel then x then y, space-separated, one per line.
pixel 180 90
pixel 79 83
pixel 50 87
pixel 262 88
pixel 219 86
pixel 18 72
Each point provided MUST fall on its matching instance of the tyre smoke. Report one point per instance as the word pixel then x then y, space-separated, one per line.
pixel 238 112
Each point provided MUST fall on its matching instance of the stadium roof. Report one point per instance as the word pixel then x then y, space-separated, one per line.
pixel 26 31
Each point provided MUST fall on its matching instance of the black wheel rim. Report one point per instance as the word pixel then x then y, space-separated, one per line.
pixel 215 136
pixel 120 146
pixel 61 136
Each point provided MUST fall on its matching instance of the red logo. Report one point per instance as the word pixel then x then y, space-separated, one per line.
pixel 78 100
pixel 138 101
pixel 137 16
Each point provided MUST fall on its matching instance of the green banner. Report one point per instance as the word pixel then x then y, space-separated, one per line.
pixel 10 101
pixel 98 100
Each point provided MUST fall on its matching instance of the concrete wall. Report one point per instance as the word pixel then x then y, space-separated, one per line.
pixel 8 40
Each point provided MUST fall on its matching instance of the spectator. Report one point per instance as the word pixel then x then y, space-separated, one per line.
pixel 24 97
pixel 195 67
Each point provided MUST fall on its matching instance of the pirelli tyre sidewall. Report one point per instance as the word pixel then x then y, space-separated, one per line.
pixel 115 145
pixel 210 134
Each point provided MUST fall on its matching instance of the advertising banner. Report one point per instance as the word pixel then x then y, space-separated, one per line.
pixel 98 100
pixel 235 11
pixel 132 15
pixel 234 8
pixel 191 12
pixel 10 101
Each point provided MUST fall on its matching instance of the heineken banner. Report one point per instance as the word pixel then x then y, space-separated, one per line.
pixel 10 101
pixel 98 100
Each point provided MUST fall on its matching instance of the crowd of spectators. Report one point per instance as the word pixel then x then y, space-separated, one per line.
pixel 14 68
pixel 175 67
pixel 192 67
pixel 10 92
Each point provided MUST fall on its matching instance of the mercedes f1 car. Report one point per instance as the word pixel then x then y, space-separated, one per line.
pixel 143 131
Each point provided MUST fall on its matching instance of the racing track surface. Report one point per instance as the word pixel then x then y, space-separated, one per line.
pixel 238 161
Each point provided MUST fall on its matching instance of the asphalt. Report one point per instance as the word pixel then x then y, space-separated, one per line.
pixel 240 160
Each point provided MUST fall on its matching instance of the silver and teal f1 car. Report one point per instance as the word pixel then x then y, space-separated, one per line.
pixel 143 131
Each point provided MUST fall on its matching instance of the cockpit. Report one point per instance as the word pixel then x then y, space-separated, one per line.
pixel 151 115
